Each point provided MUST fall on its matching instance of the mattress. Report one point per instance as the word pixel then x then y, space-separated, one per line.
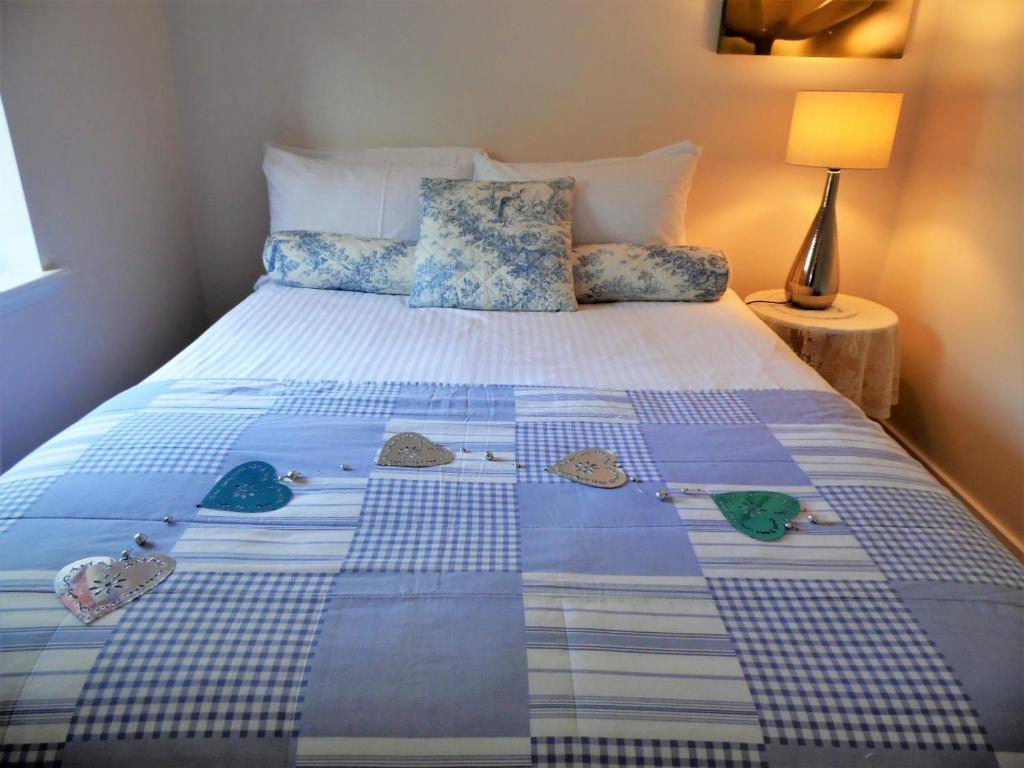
pixel 487 612
pixel 295 333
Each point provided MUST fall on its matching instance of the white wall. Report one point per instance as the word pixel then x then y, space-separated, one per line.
pixel 93 118
pixel 527 80
pixel 955 268
pixel 95 125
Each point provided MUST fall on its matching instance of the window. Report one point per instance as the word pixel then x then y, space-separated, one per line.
pixel 19 259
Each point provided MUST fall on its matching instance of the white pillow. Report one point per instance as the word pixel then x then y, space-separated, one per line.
pixel 638 200
pixel 362 192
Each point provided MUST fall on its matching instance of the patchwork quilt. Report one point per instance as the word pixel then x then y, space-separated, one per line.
pixel 490 613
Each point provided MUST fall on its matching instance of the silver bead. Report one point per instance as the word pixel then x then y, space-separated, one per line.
pixel 812 519
pixel 346 468
pixel 518 465
pixel 141 539
pixel 293 474
pixel 126 554
pixel 634 478
pixel 464 449
pixel 662 494
pixel 168 519
pixel 791 527
pixel 489 455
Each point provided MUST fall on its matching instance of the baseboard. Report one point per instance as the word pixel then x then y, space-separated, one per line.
pixel 1012 542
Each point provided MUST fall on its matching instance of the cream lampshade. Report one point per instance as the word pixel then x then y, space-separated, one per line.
pixel 834 130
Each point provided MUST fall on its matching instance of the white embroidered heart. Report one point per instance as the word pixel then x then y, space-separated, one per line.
pixel 591 466
pixel 95 586
pixel 411 449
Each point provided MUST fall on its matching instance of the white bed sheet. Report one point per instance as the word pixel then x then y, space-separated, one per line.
pixel 296 333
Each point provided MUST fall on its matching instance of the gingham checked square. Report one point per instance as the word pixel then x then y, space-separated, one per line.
pixel 878 505
pixel 31 755
pixel 205 655
pixel 908 533
pixel 541 444
pixel 331 398
pixel 165 441
pixel 844 664
pixel 574 751
pixel 18 496
pixel 421 525
pixel 693 407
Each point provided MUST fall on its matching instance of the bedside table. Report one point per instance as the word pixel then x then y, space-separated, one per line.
pixel 854 345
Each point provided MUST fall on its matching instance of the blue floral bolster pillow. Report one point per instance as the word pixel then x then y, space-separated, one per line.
pixel 304 259
pixel 649 273
pixel 613 272
pixel 504 245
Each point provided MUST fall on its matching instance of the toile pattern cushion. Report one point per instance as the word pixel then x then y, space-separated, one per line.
pixel 495 245
pixel 613 272
pixel 304 259
pixel 601 273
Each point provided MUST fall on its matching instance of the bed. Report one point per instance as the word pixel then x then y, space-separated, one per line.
pixel 487 612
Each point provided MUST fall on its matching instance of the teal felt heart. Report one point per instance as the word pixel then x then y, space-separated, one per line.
pixel 761 515
pixel 249 487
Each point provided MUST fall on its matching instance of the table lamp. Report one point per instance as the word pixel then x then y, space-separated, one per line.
pixel 834 130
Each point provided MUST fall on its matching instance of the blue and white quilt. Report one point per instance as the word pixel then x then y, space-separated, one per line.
pixel 484 613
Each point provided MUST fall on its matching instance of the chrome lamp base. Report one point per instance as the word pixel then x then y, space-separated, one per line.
pixel 813 280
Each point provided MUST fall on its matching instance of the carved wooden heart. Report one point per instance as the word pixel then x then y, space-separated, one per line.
pixel 95 586
pixel 591 466
pixel 411 449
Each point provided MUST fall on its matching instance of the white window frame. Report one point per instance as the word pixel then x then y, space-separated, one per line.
pixel 22 277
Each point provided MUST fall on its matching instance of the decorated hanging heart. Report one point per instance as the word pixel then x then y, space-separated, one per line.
pixel 249 487
pixel 411 449
pixel 761 515
pixel 95 586
pixel 591 466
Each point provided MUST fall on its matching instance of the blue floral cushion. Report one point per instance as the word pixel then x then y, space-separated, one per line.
pixel 343 262
pixel 495 245
pixel 649 273
pixel 600 272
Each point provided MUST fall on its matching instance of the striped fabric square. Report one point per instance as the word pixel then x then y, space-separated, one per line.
pixel 223 396
pixel 205 655
pixel 263 548
pixel 18 496
pixel 165 441
pixel 412 752
pixel 828 551
pixel 691 407
pixel 318 501
pixel 851 454
pixel 45 658
pixel 332 398
pixel 632 657
pixel 58 455
pixel 575 751
pixel 573 404
pixel 844 664
pixel 909 533
pixel 424 525
pixel 541 444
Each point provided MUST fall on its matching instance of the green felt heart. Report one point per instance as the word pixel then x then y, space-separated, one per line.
pixel 761 515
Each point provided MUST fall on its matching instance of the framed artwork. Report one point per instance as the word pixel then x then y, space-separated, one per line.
pixel 842 28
